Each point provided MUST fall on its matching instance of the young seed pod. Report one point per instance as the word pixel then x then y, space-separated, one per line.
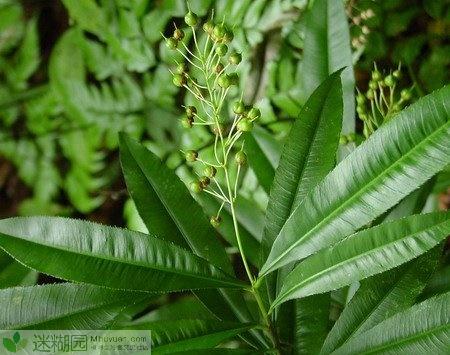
pixel 171 43
pixel 224 81
pixel 182 68
pixel 370 94
pixel 397 74
pixel 245 125
pixel 234 78
pixel 238 107
pixel 178 34
pixel 389 80
pixel 235 58
pixel 191 111
pixel 191 19
pixel 179 80
pixel 219 32
pixel 208 27
pixel 228 36
pixel 196 187
pixel 376 75
pixel 373 85
pixel 219 68
pixel 204 181
pixel 187 122
pixel 191 156
pixel 240 158
pixel 215 221
pixel 360 99
pixel 221 50
pixel 254 114
pixel 210 171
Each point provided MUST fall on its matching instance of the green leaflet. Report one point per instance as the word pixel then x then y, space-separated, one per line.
pixel 380 297
pixel 166 206
pixel 190 334
pixel 394 161
pixel 365 253
pixel 62 306
pixel 327 49
pixel 422 329
pixel 107 256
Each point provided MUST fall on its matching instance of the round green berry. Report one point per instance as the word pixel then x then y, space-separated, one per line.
pixel 238 108
pixel 405 95
pixel 343 139
pixel 389 80
pixel 191 156
pixel 204 181
pixel 221 50
pixel 191 111
pixel 254 113
pixel 171 43
pixel 224 81
pixel 208 27
pixel 373 85
pixel 240 158
pixel 228 36
pixel 219 31
pixel 397 74
pixel 360 99
pixel 187 122
pixel 210 171
pixel 191 19
pixel 370 94
pixel 235 58
pixel 245 125
pixel 376 75
pixel 179 80
pixel 196 187
pixel 234 78
pixel 178 34
pixel 215 221
pixel 360 110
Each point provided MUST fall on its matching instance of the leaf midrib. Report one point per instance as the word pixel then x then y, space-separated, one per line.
pixel 361 191
pixel 131 263
pixel 359 256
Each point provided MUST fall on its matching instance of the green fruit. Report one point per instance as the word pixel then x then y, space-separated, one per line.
pixel 191 111
pixel 240 158
pixel 210 171
pixel 254 113
pixel 370 94
pixel 235 58
pixel 187 122
pixel 224 81
pixel 373 85
pixel 219 31
pixel 397 74
pixel 178 34
pixel 234 78
pixel 204 181
pixel 245 125
pixel 238 108
pixel 228 36
pixel 376 75
pixel 218 129
pixel 179 80
pixel 191 19
pixel 196 187
pixel 221 50
pixel 182 68
pixel 208 27
pixel 405 95
pixel 171 43
pixel 389 81
pixel 215 221
pixel 360 99
pixel 343 139
pixel 191 156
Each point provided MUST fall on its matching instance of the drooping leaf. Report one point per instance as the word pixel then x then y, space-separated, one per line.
pixel 397 159
pixel 422 329
pixel 380 297
pixel 327 49
pixel 86 252
pixel 166 206
pixel 169 337
pixel 62 306
pixel 364 254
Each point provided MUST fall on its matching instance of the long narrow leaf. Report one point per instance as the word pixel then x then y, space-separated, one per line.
pixel 86 252
pixel 393 162
pixel 364 254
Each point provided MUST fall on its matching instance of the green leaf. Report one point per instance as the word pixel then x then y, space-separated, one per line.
pixel 87 252
pixel 9 345
pixel 422 329
pixel 16 337
pixel 166 206
pixel 189 334
pixel 397 159
pixel 364 254
pixel 380 297
pixel 62 306
pixel 88 15
pixel 327 49
pixel 12 273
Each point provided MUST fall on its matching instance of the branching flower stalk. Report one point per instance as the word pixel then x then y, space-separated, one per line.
pixel 214 63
